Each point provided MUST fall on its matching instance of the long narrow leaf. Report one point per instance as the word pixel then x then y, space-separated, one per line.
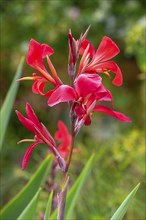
pixel 48 208
pixel 29 211
pixel 13 209
pixel 75 191
pixel 119 214
pixel 8 103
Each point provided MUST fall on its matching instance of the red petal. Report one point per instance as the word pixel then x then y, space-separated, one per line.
pixel 105 96
pixel 26 122
pixel 47 50
pixel 36 53
pixel 87 120
pixel 27 155
pixel 106 50
pixel 38 86
pixel 106 110
pixel 87 84
pixel 63 93
pixel 64 137
pixel 84 46
pixel 79 110
pixel 111 66
pixel 32 116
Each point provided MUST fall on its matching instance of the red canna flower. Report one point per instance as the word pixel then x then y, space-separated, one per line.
pixel 99 61
pixel 87 92
pixel 62 135
pixel 42 136
pixel 34 58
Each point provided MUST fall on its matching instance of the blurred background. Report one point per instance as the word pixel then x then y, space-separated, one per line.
pixel 119 147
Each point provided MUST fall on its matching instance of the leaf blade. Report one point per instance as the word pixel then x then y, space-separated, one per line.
pixel 74 192
pixel 48 207
pixel 23 197
pixel 119 214
pixel 8 103
pixel 29 210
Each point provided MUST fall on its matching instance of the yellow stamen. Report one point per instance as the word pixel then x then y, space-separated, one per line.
pixel 26 140
pixel 107 73
pixel 25 78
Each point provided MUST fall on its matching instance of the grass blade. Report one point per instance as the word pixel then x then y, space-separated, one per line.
pixel 48 207
pixel 19 202
pixel 28 212
pixel 8 103
pixel 119 214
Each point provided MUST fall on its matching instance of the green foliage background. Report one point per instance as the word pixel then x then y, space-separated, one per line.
pixel 119 147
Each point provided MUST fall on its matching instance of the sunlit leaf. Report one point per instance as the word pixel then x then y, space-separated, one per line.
pixel 14 208
pixel 119 214
pixel 48 207
pixel 29 211
pixel 8 103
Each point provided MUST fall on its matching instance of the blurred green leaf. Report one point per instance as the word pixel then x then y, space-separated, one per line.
pixel 48 208
pixel 13 209
pixel 73 194
pixel 119 214
pixel 75 190
pixel 28 212
pixel 8 103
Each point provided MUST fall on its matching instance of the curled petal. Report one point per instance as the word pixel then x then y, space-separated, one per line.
pixel 113 67
pixel 107 49
pixel 87 84
pixel 117 115
pixel 36 53
pixel 46 50
pixel 105 96
pixel 84 45
pixel 38 86
pixel 63 93
pixel 27 155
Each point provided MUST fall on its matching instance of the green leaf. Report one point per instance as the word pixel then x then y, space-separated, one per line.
pixel 75 190
pixel 8 103
pixel 13 209
pixel 73 194
pixel 48 208
pixel 119 214
pixel 28 212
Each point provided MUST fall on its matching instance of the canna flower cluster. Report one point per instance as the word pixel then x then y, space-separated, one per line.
pixel 85 95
